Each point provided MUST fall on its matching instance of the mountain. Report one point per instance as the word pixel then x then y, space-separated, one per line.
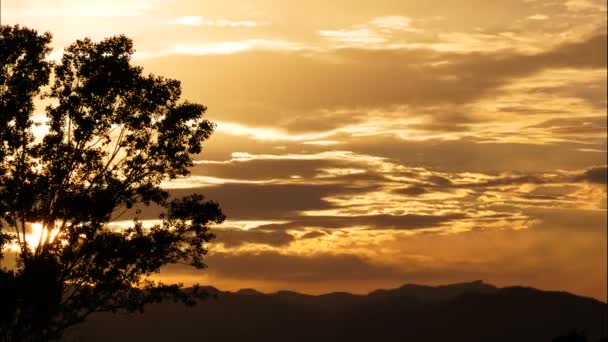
pixel 469 312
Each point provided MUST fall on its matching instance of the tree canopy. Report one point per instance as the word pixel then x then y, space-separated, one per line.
pixel 108 137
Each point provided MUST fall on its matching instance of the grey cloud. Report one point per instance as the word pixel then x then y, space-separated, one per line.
pixel 375 222
pixel 577 220
pixel 264 168
pixel 320 121
pixel 243 201
pixel 593 175
pixel 441 127
pixel 575 125
pixel 507 180
pixel 438 180
pixel 263 88
pixel 260 169
pixel 597 175
pixel 313 234
pixel 221 145
pixel 411 191
pixel 271 201
pixel 594 92
pixel 529 110
pixel 532 256
pixel 274 266
pixel 440 155
pixel 554 190
pixel 468 155
pixel 237 237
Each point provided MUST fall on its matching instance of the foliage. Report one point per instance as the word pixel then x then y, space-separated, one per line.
pixel 112 136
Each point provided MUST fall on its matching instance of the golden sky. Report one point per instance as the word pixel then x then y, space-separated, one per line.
pixel 365 144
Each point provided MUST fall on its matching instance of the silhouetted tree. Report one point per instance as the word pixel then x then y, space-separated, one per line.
pixel 112 134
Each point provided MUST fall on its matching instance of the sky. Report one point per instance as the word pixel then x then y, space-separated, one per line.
pixel 366 144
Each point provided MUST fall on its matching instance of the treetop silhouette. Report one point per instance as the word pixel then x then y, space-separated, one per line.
pixel 112 134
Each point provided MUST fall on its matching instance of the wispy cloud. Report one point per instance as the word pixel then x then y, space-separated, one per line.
pixel 200 21
pixel 220 48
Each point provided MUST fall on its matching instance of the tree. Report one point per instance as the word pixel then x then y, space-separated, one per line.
pixel 112 135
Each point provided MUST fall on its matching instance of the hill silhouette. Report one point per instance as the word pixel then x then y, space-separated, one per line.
pixel 470 312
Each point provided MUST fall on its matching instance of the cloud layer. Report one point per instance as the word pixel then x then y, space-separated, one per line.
pixel 364 144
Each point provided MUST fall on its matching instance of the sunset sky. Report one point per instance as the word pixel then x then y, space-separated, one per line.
pixel 365 144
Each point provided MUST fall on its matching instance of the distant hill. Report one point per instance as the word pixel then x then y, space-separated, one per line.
pixel 460 312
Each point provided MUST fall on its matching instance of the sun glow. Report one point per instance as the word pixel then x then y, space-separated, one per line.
pixel 39 233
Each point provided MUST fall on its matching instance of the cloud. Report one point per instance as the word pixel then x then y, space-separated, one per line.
pixel 373 222
pixel 507 180
pixel 439 180
pixel 276 88
pixel 273 266
pixel 234 237
pixel 397 23
pixel 574 126
pixel 477 156
pixel 200 21
pixel 263 169
pixel 293 167
pixel 538 17
pixel 570 219
pixel 411 191
pixel 246 201
pixel 540 258
pixel 220 48
pixel 376 33
pixel 356 36
pixel 396 141
pixel 222 145
pixel 585 5
pixel 83 8
pixel 263 201
pixel 597 175
pixel 312 235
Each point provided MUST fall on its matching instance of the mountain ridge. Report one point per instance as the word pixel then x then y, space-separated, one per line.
pixel 470 311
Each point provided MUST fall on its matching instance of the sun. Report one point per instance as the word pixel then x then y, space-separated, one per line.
pixel 39 233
